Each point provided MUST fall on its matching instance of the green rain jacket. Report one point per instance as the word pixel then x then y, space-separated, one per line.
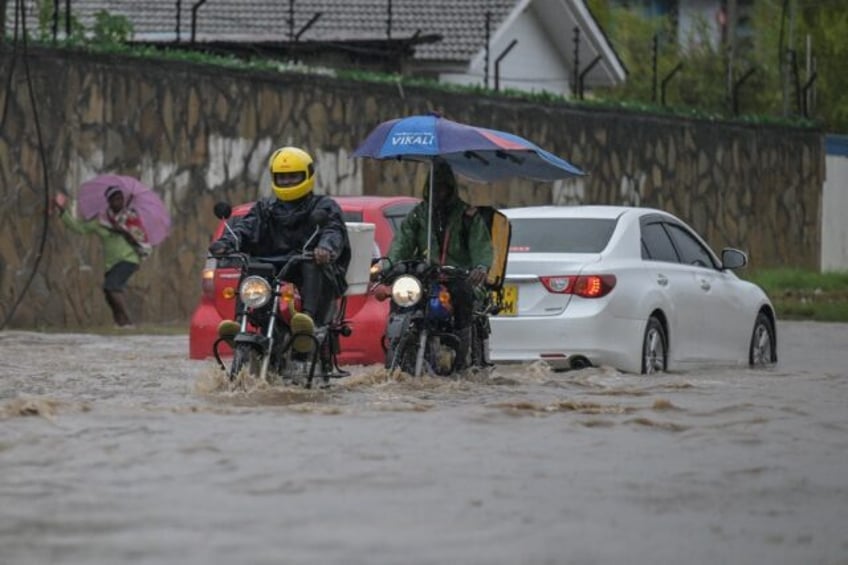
pixel 411 241
pixel 115 247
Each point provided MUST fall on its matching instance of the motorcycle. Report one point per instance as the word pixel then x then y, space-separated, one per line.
pixel 420 336
pixel 261 337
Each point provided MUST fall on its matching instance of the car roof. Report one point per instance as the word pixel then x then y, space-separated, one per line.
pixel 363 202
pixel 348 203
pixel 590 211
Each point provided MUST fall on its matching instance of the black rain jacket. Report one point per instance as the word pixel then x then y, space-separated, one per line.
pixel 273 227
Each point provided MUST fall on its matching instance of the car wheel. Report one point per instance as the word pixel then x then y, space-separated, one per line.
pixel 761 350
pixel 654 350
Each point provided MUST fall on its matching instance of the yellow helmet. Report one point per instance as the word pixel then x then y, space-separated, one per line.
pixel 292 173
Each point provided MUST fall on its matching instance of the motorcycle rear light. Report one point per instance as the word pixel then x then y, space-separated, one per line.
pixel 585 286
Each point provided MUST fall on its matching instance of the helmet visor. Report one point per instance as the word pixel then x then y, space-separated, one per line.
pixel 289 179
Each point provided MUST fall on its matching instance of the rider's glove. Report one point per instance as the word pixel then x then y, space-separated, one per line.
pixel 477 276
pixel 219 248
pixel 323 255
pixel 382 292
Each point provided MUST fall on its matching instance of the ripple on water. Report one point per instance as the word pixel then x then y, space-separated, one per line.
pixel 44 407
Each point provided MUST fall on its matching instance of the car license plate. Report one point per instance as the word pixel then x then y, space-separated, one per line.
pixel 509 304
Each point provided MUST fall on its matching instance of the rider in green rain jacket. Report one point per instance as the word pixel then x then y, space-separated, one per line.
pixel 460 238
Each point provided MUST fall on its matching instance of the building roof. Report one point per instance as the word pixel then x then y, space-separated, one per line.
pixel 450 32
pixel 461 23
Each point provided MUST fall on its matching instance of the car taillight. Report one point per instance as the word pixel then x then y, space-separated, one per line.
pixel 593 286
pixel 587 286
pixel 207 278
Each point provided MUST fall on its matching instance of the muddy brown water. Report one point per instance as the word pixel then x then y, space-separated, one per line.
pixel 118 449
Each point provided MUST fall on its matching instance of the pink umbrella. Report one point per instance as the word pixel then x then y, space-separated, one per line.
pixel 92 202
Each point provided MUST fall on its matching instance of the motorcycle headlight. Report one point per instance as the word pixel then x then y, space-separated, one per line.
pixel 406 291
pixel 255 292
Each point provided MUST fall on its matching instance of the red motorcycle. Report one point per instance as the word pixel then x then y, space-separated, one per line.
pixel 261 336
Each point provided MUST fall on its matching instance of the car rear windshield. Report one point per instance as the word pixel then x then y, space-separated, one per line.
pixel 560 235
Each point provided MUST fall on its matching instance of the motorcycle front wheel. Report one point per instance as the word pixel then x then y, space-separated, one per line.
pixel 245 357
pixel 402 353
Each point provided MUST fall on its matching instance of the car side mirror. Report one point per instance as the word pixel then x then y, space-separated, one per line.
pixel 223 210
pixel 733 258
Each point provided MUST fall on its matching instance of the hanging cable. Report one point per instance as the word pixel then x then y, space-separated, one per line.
pixel 11 70
pixel 19 7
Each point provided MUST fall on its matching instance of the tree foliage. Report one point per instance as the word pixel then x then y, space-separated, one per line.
pixel 761 78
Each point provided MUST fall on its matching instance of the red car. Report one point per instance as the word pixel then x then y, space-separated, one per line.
pixel 366 314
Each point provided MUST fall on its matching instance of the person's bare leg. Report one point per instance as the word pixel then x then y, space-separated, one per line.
pixel 115 299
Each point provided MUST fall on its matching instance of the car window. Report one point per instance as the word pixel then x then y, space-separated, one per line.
pixel 396 213
pixel 690 249
pixel 560 235
pixel 352 216
pixel 656 244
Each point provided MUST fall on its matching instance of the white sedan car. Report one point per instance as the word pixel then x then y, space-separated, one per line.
pixel 631 288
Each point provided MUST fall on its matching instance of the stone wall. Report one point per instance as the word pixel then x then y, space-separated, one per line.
pixel 200 134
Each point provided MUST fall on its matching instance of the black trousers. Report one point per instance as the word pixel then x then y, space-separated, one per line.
pixel 318 291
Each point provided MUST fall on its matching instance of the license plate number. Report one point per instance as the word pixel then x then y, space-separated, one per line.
pixel 509 304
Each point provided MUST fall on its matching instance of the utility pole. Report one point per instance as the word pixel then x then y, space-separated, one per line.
pixel 786 58
pixel 731 20
pixel 488 40
pixel 2 20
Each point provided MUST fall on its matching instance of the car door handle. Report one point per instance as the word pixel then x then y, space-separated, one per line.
pixel 662 280
pixel 705 284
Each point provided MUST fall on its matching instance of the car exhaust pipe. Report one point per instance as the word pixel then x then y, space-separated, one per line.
pixel 579 362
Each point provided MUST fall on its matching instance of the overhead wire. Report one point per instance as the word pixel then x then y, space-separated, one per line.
pixel 20 9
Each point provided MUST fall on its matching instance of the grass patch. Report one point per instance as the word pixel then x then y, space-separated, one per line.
pixel 804 295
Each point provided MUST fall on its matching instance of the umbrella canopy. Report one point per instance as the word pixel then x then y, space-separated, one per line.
pixel 92 202
pixel 479 154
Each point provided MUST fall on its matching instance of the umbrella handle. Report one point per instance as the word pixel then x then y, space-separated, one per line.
pixel 430 210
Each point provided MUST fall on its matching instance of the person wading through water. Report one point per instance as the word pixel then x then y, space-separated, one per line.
pixel 125 244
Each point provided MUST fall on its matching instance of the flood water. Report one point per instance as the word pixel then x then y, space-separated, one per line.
pixel 118 449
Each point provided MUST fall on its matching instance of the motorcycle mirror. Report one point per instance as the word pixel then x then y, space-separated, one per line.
pixel 222 210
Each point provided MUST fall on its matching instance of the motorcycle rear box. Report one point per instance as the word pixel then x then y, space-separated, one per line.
pixel 361 237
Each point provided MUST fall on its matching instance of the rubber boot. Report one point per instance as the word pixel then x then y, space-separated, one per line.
pixel 227 331
pixel 302 324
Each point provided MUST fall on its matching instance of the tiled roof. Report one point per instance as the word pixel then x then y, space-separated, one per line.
pixel 461 23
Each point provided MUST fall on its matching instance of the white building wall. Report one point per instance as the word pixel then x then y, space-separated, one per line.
pixel 532 65
pixel 834 237
pixel 690 15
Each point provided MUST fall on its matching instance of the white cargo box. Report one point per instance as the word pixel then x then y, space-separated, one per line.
pixel 362 249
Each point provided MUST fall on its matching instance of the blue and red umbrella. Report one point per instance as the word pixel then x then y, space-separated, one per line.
pixel 477 153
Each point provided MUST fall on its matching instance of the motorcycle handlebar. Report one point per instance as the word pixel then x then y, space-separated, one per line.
pixel 421 269
pixel 286 261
